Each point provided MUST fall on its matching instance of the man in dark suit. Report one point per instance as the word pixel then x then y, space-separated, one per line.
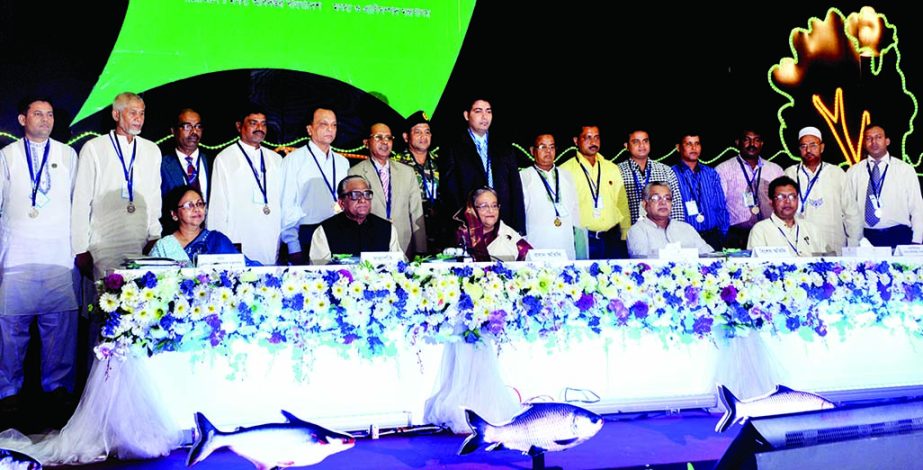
pixel 477 160
pixel 186 164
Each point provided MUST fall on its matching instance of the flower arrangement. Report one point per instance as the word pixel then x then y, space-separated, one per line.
pixel 370 311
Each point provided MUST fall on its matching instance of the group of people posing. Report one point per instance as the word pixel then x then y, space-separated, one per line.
pixel 122 196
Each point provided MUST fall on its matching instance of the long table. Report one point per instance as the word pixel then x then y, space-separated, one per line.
pixel 352 346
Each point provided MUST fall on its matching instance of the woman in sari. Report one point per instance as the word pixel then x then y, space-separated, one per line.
pixel 484 235
pixel 190 238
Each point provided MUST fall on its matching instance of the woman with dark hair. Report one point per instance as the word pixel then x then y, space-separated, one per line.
pixel 187 208
pixel 484 235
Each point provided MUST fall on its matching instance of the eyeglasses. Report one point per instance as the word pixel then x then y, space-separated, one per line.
pixel 786 197
pixel 544 147
pixel 812 146
pixel 484 207
pixel 190 205
pixel 357 195
pixel 383 137
pixel 188 127
pixel 659 198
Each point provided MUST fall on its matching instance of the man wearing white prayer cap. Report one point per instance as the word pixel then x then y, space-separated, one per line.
pixel 822 194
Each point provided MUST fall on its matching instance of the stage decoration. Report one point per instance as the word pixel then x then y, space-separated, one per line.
pixel 367 310
pixel 852 60
pixel 782 400
pixel 538 428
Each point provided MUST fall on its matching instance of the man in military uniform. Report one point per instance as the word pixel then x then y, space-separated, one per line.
pixel 418 136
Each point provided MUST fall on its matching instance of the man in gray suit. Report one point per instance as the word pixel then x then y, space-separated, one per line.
pixel 396 194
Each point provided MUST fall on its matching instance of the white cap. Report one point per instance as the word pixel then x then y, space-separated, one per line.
pixel 810 131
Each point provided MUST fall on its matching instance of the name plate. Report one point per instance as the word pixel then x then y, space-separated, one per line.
pixel 230 260
pixel 678 254
pixel 772 252
pixel 378 258
pixel 908 250
pixel 546 254
pixel 867 251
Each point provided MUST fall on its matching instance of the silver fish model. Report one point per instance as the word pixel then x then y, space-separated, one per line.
pixel 12 460
pixel 782 400
pixel 273 445
pixel 542 427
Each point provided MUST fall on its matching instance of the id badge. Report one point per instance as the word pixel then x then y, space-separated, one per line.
pixel 597 213
pixel 692 208
pixel 124 192
pixel 41 199
pixel 749 200
pixel 258 197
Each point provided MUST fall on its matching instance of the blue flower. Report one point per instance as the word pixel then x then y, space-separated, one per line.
pixel 463 271
pixel 532 303
pixel 502 271
pixel 244 313
pixel 884 291
pixel 594 325
pixel 186 287
pixel 640 310
pixel 331 277
pixel 585 302
pixel 793 323
pixel 149 280
pixel 471 336
pixel 167 321
pixel 402 266
pixel 594 269
pixel 464 302
pixel 273 281
pixel 225 281
pixel 702 325
pixel 276 338
pixel 295 302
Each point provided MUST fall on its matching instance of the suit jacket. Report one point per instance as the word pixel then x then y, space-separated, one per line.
pixel 406 203
pixel 172 175
pixel 461 171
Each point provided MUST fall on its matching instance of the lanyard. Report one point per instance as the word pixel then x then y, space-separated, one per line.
pixel 647 177
pixel 594 189
pixel 388 191
pixel 876 189
pixel 811 181
pixel 331 185
pixel 429 190
pixel 36 178
pixel 262 185
pixel 754 189
pixel 554 196
pixel 797 234
pixel 128 171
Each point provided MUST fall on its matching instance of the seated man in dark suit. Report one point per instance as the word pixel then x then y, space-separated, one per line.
pixel 355 229
pixel 184 164
pixel 479 160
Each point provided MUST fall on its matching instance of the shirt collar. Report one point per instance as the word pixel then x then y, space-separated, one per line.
pixel 195 155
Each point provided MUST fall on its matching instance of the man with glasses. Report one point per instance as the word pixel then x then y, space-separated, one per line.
pixel 550 200
pixel 657 228
pixel 799 237
pixel 822 196
pixel 397 197
pixel 355 229
pixel 744 180
pixel 185 164
pixel 311 174
pixel 247 191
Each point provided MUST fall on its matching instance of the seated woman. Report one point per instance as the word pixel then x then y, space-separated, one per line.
pixel 484 235
pixel 190 238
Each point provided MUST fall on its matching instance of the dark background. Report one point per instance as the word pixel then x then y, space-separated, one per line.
pixel 545 68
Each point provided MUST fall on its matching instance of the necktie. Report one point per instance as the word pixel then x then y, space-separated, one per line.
pixel 485 160
pixel 870 218
pixel 192 177
pixel 385 176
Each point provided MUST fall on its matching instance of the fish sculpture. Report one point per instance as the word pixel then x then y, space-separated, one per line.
pixel 782 400
pixel 540 428
pixel 12 460
pixel 273 445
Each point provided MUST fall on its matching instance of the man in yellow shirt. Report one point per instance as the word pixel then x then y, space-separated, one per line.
pixel 601 196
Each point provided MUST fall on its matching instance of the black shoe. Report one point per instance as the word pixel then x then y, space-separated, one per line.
pixel 60 405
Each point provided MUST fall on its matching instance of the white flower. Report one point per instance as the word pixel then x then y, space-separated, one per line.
pixel 108 302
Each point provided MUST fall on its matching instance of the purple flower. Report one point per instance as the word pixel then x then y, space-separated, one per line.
pixel 618 308
pixel 702 325
pixel 585 302
pixel 496 322
pixel 348 339
pixel 203 278
pixel 729 294
pixel 691 294
pixel 345 273
pixel 639 310
pixel 276 338
pixel 114 281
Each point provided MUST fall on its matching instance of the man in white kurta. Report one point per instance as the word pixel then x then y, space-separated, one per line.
pixel 37 282
pixel 799 236
pixel 310 178
pixel 550 200
pixel 822 194
pixel 656 228
pixel 247 192
pixel 116 209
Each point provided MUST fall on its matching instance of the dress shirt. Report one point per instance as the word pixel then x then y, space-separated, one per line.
pixel 773 232
pixel 612 206
pixel 734 184
pixel 835 215
pixel 237 204
pixel 646 238
pixel 540 209
pixel 901 202
pixel 306 197
pixel 703 185
pixel 657 172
